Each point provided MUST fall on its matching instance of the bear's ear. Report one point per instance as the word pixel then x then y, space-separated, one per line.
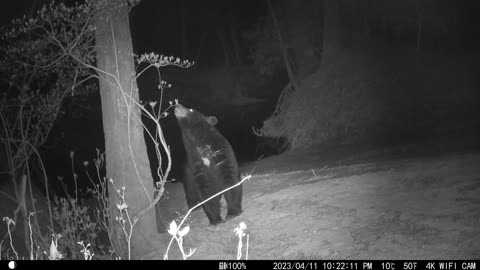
pixel 212 120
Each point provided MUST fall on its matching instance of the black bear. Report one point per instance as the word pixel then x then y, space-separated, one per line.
pixel 211 165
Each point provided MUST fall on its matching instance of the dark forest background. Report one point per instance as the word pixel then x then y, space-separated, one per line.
pixel 302 73
pixel 321 72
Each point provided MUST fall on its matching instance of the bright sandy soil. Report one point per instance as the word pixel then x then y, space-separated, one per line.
pixel 417 201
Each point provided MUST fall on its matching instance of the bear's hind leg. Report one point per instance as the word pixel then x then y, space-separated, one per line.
pixel 234 202
pixel 212 210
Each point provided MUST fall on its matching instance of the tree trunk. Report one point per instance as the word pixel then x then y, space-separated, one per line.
pixel 126 156
pixel 419 28
pixel 232 27
pixel 332 29
pixel 286 60
pixel 183 30
pixel 302 29
pixel 226 51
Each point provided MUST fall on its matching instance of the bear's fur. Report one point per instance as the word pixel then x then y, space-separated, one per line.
pixel 211 165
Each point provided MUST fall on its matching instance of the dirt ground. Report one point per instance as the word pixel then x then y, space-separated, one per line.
pixel 418 201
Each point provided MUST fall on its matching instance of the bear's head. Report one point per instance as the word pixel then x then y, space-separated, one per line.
pixel 190 117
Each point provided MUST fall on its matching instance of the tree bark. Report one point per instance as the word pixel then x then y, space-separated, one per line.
pixel 226 52
pixel 288 65
pixel 126 156
pixel 232 27
pixel 183 30
pixel 302 34
pixel 332 29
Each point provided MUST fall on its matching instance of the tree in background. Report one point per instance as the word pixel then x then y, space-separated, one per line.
pixel 84 41
pixel 126 155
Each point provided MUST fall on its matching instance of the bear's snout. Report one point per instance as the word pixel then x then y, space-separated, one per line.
pixel 180 111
